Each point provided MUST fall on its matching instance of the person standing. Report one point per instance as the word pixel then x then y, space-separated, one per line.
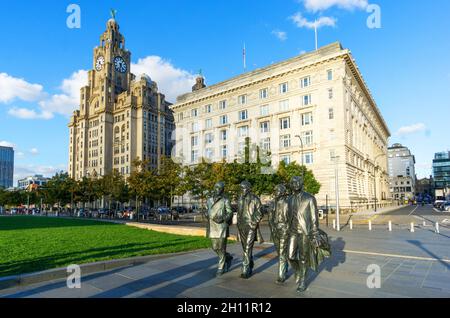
pixel 308 246
pixel 249 215
pixel 279 226
pixel 219 217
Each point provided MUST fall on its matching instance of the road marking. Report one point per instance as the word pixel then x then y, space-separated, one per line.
pixel 398 256
pixel 393 255
pixel 413 210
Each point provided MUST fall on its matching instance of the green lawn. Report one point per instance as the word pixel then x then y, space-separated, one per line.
pixel 30 244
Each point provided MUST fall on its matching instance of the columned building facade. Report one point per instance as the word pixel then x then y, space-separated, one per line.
pixel 319 98
pixel 121 117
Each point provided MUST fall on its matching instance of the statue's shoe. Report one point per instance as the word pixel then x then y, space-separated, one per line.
pixel 228 263
pixel 302 286
pixel 246 275
pixel 281 280
pixel 219 273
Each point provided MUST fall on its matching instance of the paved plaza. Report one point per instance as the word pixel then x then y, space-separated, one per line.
pixel 412 265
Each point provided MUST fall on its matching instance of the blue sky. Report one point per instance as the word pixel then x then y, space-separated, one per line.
pixel 42 62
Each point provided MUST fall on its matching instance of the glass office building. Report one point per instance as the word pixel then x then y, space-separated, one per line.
pixel 441 173
pixel 6 167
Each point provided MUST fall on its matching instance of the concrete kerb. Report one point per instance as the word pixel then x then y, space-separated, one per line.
pixel 90 268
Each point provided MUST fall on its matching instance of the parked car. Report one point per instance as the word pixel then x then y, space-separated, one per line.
pixel 167 213
pixel 180 209
pixel 438 203
pixel 445 206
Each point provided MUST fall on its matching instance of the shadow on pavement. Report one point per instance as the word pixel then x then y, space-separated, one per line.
pixel 423 248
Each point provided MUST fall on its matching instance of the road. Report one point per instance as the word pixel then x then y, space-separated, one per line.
pixel 418 210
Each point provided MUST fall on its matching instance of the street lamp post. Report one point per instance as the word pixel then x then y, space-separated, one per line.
pixel 375 178
pixel 336 175
pixel 301 149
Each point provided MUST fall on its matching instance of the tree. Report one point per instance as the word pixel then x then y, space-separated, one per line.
pixel 286 172
pixel 168 180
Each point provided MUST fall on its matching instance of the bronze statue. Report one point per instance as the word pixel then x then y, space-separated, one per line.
pixel 308 245
pixel 219 219
pixel 279 226
pixel 249 215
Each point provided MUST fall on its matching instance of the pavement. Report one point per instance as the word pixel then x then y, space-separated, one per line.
pixel 411 265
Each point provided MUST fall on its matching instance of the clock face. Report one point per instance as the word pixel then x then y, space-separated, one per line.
pixel 120 64
pixel 99 63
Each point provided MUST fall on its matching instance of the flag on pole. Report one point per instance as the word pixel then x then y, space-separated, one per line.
pixel 244 57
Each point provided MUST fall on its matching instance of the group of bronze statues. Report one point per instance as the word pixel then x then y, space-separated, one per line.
pixel 294 225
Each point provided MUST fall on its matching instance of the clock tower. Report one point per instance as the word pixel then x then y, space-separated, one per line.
pixel 122 117
pixel 111 65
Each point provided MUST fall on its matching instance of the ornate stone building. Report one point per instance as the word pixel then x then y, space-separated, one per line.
pixel 121 117
pixel 319 98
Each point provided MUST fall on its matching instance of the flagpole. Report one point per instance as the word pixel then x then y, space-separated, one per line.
pixel 244 57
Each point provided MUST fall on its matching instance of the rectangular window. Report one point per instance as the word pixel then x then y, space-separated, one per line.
pixel 284 105
pixel 285 141
pixel 209 153
pixel 265 127
pixel 330 93
pixel 208 123
pixel 285 159
pixel 308 158
pixel 223 135
pixel 195 127
pixel 307 138
pixel 222 104
pixel 285 123
pixel 243 115
pixel 194 155
pixel 224 120
pixel 208 109
pixel 242 100
pixel 284 88
pixel 194 141
pixel 223 152
pixel 330 75
pixel 265 144
pixel 330 113
pixel 305 82
pixel 194 112
pixel 307 119
pixel 264 110
pixel 241 148
pixel 209 138
pixel 243 131
pixel 306 100
pixel 264 93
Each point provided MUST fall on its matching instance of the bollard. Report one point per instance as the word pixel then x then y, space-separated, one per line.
pixel 160 218
pixel 412 227
pixel 334 224
pixel 390 226
pixel 351 224
pixel 437 227
pixel 370 225
pixel 195 217
pixel 424 223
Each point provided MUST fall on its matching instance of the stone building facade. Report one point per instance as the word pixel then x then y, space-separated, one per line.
pixel 319 96
pixel 121 117
pixel 402 173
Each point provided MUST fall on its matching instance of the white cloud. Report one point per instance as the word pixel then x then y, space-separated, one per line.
pixel 412 129
pixel 171 81
pixel 12 88
pixel 23 171
pixel 281 35
pixel 4 143
pixel 301 22
pixel 25 113
pixel 69 100
pixel 19 155
pixel 34 151
pixel 322 5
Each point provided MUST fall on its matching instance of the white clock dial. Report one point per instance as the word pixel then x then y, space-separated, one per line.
pixel 99 63
pixel 120 64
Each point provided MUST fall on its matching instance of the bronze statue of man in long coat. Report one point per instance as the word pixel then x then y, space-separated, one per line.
pixel 219 219
pixel 248 217
pixel 279 219
pixel 308 245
